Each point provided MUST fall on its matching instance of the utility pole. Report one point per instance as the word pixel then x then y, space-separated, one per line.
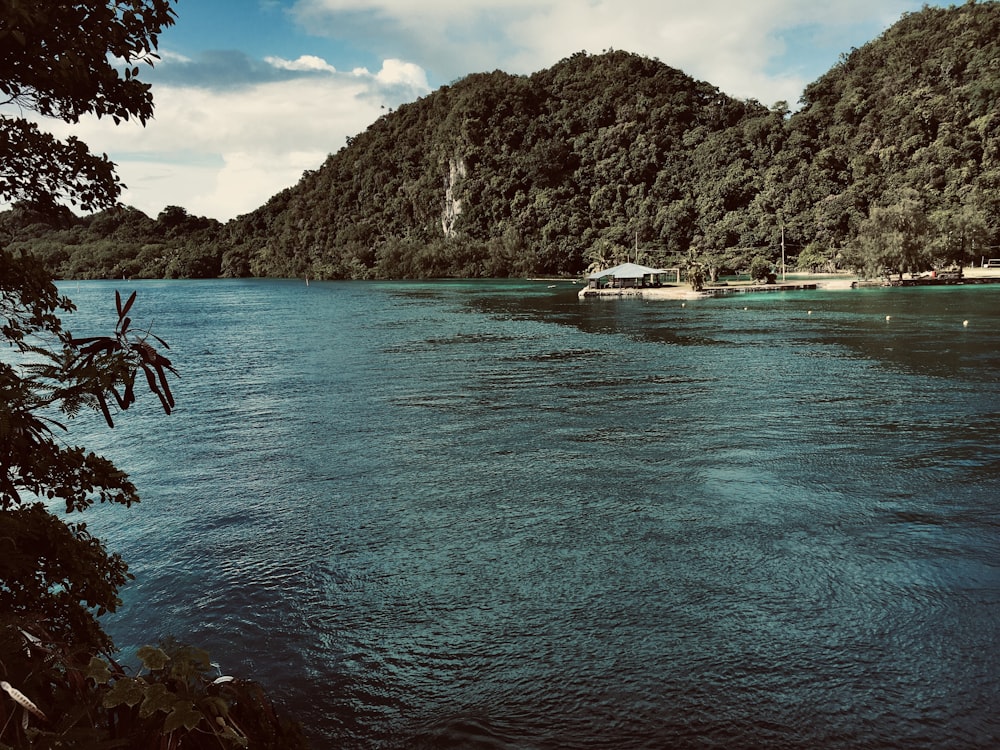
pixel 782 252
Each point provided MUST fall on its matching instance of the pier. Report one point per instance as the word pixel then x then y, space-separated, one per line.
pixel 941 280
pixel 685 292
pixel 719 291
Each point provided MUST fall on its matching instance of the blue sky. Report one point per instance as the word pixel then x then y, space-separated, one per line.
pixel 250 93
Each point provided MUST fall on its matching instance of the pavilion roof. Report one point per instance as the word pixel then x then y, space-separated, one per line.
pixel 626 271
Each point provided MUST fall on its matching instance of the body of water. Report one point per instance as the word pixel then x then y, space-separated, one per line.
pixel 489 515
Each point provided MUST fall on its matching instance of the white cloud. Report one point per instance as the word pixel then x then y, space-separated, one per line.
pixel 399 73
pixel 221 153
pixel 169 56
pixel 305 63
pixel 739 47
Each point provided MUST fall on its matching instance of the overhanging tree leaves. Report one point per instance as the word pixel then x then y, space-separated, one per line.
pixel 61 59
pixel 54 576
pixel 54 573
pixel 37 167
pixel 65 60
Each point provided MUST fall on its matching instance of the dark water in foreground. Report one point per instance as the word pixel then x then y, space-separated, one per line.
pixel 480 515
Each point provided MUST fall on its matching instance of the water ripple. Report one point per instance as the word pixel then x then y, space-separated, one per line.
pixel 489 516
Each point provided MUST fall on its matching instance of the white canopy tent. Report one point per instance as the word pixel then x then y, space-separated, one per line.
pixel 631 275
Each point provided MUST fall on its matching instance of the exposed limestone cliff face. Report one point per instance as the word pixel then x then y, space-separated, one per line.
pixel 452 205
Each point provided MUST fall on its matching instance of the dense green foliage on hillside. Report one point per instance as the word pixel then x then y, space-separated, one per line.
pixel 892 161
pixel 501 174
pixel 901 137
pixel 117 242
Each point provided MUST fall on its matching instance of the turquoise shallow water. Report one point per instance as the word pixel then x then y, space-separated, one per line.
pixel 490 515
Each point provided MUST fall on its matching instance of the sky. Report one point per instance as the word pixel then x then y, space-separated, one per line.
pixel 251 93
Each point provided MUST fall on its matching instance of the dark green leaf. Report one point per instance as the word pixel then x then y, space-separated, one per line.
pixel 184 715
pixel 153 658
pixel 158 698
pixel 98 671
pixel 126 691
pixel 128 306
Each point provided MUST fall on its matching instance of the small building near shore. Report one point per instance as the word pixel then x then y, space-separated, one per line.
pixel 631 276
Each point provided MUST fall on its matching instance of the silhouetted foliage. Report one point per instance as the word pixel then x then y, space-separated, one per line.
pixel 59 686
pixel 176 699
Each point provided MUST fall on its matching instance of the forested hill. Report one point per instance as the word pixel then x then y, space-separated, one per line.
pixel 892 160
pixel 902 136
pixel 500 174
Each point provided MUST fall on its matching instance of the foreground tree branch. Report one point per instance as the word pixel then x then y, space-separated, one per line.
pixel 59 686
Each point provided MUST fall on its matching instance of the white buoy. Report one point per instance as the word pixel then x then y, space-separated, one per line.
pixel 965 323
pixel 809 313
pixel 888 317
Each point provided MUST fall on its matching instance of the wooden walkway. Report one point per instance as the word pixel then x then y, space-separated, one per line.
pixel 927 281
pixel 719 291
pixel 685 292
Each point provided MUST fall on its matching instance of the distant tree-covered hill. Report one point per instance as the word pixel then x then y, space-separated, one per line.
pixel 500 174
pixel 121 242
pixel 892 161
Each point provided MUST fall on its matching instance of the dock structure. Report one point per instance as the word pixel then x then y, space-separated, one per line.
pixel 721 291
pixel 668 291
pixel 940 280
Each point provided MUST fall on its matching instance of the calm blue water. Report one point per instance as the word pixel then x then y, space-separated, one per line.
pixel 488 515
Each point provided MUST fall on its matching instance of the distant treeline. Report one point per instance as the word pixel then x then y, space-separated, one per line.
pixel 892 161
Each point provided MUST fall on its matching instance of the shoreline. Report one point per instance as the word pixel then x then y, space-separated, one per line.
pixel 684 292
pixel 792 282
